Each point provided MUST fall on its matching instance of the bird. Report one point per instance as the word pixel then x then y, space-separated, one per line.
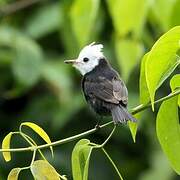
pixel 102 86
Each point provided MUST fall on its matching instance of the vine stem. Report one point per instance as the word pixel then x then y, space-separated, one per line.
pixel 108 138
pixel 33 157
pixel 31 142
pixel 115 167
pixel 145 106
pixel 69 139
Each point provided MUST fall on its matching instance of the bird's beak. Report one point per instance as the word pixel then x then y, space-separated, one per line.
pixel 72 61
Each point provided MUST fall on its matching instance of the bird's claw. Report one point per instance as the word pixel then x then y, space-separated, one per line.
pixel 97 127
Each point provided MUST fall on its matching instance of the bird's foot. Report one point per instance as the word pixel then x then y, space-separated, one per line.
pixel 97 126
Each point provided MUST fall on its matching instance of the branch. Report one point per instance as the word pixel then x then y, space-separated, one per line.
pixel 142 106
pixel 16 6
pixel 69 139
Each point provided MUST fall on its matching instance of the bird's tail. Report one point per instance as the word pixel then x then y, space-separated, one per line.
pixel 121 115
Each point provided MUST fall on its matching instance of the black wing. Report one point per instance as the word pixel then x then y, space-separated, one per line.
pixel 113 91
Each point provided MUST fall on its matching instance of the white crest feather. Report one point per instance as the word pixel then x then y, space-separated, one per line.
pixel 92 50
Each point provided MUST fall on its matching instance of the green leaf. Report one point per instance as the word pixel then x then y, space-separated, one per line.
pixel 58 76
pixel 168 131
pixel 39 131
pixel 27 64
pixel 172 66
pixel 162 11
pixel 83 15
pixel 7 35
pixel 175 14
pixel 44 21
pixel 144 93
pixel 41 169
pixel 161 59
pixel 80 159
pixel 133 127
pixel 123 13
pixel 175 83
pixel 3 2
pixel 27 56
pixel 14 173
pixel 128 54
pixel 6 145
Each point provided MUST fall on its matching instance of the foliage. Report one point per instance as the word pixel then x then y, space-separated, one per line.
pixel 37 37
pixel 80 159
pixel 6 145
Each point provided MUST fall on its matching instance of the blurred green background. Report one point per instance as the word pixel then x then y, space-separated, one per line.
pixel 36 36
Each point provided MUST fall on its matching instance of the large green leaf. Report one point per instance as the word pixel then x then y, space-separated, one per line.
pixel 162 11
pixel 66 31
pixel 143 89
pixel 175 14
pixel 44 21
pixel 168 131
pixel 80 159
pixel 161 59
pixel 144 93
pixel 27 59
pixel 27 64
pixel 83 16
pixel 41 169
pixel 128 54
pixel 128 16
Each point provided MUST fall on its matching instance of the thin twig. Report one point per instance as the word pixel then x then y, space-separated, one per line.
pixel 75 137
pixel 115 167
pixel 142 106
pixel 32 143
pixel 33 157
pixel 16 6
pixel 108 138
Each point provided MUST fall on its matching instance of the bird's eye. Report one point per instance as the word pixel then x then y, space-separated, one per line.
pixel 86 59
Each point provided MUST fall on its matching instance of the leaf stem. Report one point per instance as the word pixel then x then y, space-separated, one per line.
pixel 108 138
pixel 115 167
pixel 78 136
pixel 24 168
pixel 32 143
pixel 33 157
pixel 26 138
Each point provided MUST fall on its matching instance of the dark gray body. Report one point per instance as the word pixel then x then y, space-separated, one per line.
pixel 106 92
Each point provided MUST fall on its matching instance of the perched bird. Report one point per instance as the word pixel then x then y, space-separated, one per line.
pixel 103 89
